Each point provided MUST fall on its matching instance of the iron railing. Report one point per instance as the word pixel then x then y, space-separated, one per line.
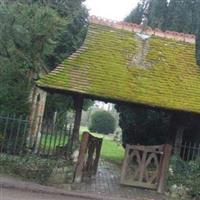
pixel 54 139
pixel 188 150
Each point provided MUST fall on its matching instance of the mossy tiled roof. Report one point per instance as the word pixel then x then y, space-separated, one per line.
pixel 104 67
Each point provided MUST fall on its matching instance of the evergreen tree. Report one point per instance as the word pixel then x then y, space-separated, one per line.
pixel 35 36
pixel 158 13
pixel 177 15
pixel 136 14
pixel 198 46
pixel 28 34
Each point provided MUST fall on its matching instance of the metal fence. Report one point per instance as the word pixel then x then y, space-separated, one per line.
pixel 188 151
pixel 54 139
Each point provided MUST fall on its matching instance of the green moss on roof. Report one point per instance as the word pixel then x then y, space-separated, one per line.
pixel 102 68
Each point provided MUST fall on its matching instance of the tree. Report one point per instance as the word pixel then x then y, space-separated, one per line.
pixel 13 89
pixel 155 9
pixel 136 14
pixel 143 126
pixel 28 34
pixel 198 45
pixel 102 122
pixel 35 36
pixel 158 13
pixel 177 15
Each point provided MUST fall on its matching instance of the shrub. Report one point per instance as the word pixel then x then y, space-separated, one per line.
pixel 29 167
pixel 185 175
pixel 102 122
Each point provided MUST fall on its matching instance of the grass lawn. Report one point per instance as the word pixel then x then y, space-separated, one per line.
pixel 111 151
pixel 51 141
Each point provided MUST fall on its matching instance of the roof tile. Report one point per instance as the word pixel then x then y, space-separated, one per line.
pixel 101 68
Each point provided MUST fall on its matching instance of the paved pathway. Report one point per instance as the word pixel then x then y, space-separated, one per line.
pixel 104 186
pixel 13 194
pixel 11 187
pixel 107 183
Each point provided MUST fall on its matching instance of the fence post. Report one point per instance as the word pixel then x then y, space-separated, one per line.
pixel 189 150
pixel 184 150
pixel 194 151
pixel 199 150
pixel 164 167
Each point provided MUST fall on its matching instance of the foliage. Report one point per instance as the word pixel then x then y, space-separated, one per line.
pixel 143 126
pixel 29 167
pixel 102 122
pixel 27 36
pixel 148 126
pixel 198 45
pixel 176 15
pixel 158 13
pixel 136 14
pixel 185 175
pixel 35 36
pixel 183 16
pixel 14 89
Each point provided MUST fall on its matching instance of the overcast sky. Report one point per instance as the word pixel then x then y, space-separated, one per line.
pixel 111 9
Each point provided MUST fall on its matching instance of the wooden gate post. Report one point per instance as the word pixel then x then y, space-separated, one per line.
pixel 88 158
pixel 164 167
pixel 81 158
pixel 78 104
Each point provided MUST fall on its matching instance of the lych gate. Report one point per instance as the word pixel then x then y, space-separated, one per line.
pixel 103 69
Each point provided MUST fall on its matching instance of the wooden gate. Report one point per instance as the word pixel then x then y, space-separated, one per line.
pixel 88 158
pixel 146 166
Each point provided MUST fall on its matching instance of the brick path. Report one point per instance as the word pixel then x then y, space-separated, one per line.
pixel 107 181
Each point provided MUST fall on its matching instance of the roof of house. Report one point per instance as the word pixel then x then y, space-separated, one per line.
pixel 115 64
